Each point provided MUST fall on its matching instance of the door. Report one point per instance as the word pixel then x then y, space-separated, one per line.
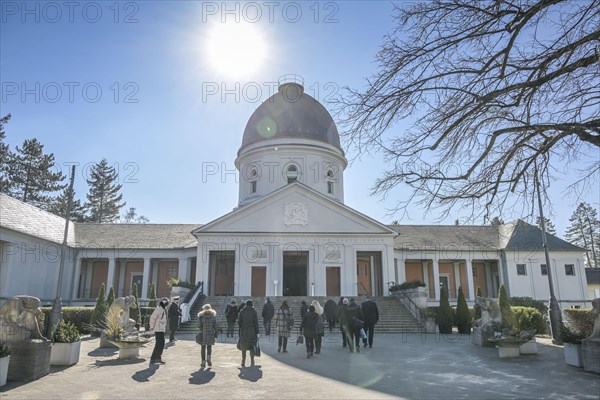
pixel 363 276
pixel 259 282
pixel 295 273
pixel 445 283
pixel 222 272
pixel 332 277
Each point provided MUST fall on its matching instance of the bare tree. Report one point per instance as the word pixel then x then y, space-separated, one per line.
pixel 491 91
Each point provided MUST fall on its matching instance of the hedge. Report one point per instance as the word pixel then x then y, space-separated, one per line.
pixel 530 318
pixel 580 320
pixel 79 316
pixel 529 302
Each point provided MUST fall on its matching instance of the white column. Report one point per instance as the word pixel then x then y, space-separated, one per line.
pixel 145 278
pixel 456 265
pixel 489 286
pixel 425 266
pixel 87 288
pixel 111 273
pixel 402 270
pixel 436 278
pixel 469 271
pixel 76 278
pixel 121 291
pixel 183 271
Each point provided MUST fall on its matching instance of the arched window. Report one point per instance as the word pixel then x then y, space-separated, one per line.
pixel 292 174
pixel 330 182
pixel 253 180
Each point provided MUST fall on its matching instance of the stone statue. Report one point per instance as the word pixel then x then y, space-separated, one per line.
pixel 596 313
pixel 121 306
pixel 490 311
pixel 19 319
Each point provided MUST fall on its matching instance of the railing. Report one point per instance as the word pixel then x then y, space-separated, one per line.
pixel 190 300
pixel 411 306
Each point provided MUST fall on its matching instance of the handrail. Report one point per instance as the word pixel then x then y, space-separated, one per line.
pixel 412 306
pixel 187 306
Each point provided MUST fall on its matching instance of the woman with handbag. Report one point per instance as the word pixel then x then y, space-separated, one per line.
pixel 207 326
pixel 284 323
pixel 320 332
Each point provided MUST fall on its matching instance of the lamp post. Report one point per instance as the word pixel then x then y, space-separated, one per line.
pixel 555 313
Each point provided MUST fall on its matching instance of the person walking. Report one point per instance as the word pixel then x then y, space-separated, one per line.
pixel 231 314
pixel 174 314
pixel 158 324
pixel 303 311
pixel 249 332
pixel 355 321
pixel 371 315
pixel 284 322
pixel 341 316
pixel 207 326
pixel 309 328
pixel 320 331
pixel 331 313
pixel 268 311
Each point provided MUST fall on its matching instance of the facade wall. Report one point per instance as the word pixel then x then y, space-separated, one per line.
pixel 593 290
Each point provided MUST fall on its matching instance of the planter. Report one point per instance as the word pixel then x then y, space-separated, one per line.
pixel 430 325
pixel 508 351
pixel 180 291
pixel 4 369
pixel 573 354
pixel 128 349
pixel 65 353
pixel 529 347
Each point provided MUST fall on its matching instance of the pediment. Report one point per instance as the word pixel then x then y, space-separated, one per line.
pixel 296 208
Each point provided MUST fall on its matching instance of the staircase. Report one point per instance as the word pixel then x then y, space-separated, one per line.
pixel 393 316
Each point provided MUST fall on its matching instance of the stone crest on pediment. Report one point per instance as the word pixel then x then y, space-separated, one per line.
pixel 295 214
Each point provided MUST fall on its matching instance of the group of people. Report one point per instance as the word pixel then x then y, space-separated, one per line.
pixel 354 321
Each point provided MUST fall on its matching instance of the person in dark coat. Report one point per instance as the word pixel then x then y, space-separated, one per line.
pixel 331 313
pixel 355 321
pixel 303 311
pixel 207 325
pixel 371 314
pixel 341 316
pixel 231 314
pixel 268 311
pixel 309 329
pixel 249 331
pixel 174 314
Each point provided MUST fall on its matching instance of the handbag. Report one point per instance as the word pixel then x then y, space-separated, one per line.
pixel 257 349
pixel 199 337
pixel 363 334
pixel 239 346
pixel 299 340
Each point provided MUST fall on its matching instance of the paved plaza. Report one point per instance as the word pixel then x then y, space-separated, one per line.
pixel 410 366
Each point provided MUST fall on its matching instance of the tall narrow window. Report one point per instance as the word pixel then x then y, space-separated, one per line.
pixel 292 174
pixel 330 182
pixel 544 269
pixel 570 269
pixel 253 180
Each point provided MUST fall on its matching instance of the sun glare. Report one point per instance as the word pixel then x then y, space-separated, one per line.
pixel 235 49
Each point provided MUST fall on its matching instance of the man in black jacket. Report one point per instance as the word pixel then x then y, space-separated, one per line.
pixel 371 314
pixel 355 321
pixel 174 313
pixel 268 312
pixel 231 314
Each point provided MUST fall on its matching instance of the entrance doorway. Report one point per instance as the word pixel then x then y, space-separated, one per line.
pixel 295 273
pixel 221 272
pixel 332 277
pixel 259 282
pixel 369 274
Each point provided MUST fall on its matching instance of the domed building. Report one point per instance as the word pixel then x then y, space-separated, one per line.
pixel 291 233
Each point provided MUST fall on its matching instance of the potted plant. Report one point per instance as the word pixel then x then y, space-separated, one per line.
pixel 444 317
pixel 572 346
pixel 178 287
pixel 527 319
pixel 462 318
pixel 4 359
pixel 66 344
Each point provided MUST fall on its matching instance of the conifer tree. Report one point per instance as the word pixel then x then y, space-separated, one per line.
pixel 444 317
pixel 584 232
pixel 152 296
pixel 477 306
pixel 31 175
pixel 463 316
pixel 99 313
pixel 550 228
pixel 508 317
pixel 111 296
pixel 104 200
pixel 496 221
pixel 58 206
pixel 134 313
pixel 5 156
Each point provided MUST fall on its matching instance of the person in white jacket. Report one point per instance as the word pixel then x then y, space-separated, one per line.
pixel 158 324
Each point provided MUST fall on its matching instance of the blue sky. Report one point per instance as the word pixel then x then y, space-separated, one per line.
pixel 132 82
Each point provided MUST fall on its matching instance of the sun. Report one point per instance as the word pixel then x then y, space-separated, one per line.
pixel 235 49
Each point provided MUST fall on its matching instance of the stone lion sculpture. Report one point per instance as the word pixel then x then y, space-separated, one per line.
pixel 490 311
pixel 19 319
pixel 121 306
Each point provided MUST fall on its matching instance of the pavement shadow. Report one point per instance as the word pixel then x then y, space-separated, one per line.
pixel 202 376
pixel 118 361
pixel 252 374
pixel 144 374
pixel 103 352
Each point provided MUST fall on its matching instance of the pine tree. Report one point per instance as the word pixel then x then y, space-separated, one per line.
pixel 134 313
pixel 111 296
pixel 584 231
pixel 104 199
pixel 508 317
pixel 58 206
pixel 31 177
pixel 444 317
pixel 132 217
pixel 99 314
pixel 5 156
pixel 550 228
pixel 462 318
pixel 152 296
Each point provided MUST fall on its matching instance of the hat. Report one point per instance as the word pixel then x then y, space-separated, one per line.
pixel 176 298
pixel 249 303
pixel 232 301
pixel 345 301
pixel 165 299
pixel 206 307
